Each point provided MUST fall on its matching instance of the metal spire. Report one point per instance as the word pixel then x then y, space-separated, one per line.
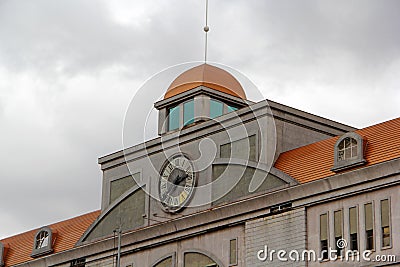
pixel 206 29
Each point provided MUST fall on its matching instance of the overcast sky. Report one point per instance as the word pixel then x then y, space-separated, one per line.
pixel 69 68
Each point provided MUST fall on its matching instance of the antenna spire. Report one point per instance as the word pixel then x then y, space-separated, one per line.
pixel 206 29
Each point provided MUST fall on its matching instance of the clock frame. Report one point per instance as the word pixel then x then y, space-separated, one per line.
pixel 177 181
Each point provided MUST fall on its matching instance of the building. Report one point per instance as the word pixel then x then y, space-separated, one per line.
pixel 278 185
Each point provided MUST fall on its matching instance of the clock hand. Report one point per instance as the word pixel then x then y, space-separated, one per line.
pixel 177 181
pixel 174 185
pixel 181 178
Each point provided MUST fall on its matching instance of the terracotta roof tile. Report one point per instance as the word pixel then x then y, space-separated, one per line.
pixel 314 161
pixel 68 233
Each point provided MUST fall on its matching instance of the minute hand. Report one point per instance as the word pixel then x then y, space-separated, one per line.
pixel 175 183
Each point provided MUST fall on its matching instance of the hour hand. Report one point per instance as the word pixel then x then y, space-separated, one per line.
pixel 180 178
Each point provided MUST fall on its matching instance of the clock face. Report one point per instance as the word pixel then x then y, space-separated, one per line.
pixel 176 184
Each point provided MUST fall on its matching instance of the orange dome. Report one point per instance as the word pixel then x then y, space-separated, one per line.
pixel 206 75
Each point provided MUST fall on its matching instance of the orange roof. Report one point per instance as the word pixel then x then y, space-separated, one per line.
pixel 314 161
pixel 206 75
pixel 68 233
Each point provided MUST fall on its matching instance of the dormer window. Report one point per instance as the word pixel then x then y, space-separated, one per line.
pixel 42 242
pixel 347 149
pixel 3 249
pixel 349 152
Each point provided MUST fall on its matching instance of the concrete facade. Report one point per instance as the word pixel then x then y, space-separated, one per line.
pixel 228 224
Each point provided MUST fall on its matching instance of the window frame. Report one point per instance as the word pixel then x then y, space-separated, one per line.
pixel 171 255
pixel 192 120
pixel 390 223
pixel 210 255
pixel 327 236
pixel 179 111
pixel 372 202
pixel 357 228
pixel 231 263
pixel 340 165
pixel 342 232
pixel 3 252
pixel 222 106
pixel 36 252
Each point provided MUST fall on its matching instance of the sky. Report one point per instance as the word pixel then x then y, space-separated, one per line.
pixel 70 68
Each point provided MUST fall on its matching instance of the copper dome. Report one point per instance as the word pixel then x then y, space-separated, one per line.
pixel 209 76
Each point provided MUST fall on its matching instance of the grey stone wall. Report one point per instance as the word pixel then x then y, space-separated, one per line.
pixel 286 231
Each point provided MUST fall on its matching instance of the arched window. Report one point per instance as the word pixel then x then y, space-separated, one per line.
pixel 166 261
pixel 347 149
pixel 197 259
pixel 349 152
pixel 43 242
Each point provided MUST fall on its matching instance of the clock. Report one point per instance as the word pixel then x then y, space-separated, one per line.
pixel 176 183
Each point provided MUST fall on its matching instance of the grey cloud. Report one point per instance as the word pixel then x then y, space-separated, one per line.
pixel 68 70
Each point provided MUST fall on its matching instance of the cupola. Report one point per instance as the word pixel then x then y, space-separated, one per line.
pixel 201 93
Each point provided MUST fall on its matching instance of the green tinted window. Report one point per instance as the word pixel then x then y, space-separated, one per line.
pixel 216 108
pixel 230 108
pixel 173 118
pixel 188 112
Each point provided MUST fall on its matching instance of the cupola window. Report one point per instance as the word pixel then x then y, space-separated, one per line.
pixel 173 118
pixel 232 108
pixel 349 151
pixel 42 242
pixel 216 108
pixel 188 112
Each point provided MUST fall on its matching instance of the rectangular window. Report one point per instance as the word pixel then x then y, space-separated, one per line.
pixel 338 221
pixel 369 226
pixel 188 112
pixel 173 118
pixel 216 108
pixel 241 149
pixel 385 223
pixel 353 223
pixel 233 252
pixel 323 233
